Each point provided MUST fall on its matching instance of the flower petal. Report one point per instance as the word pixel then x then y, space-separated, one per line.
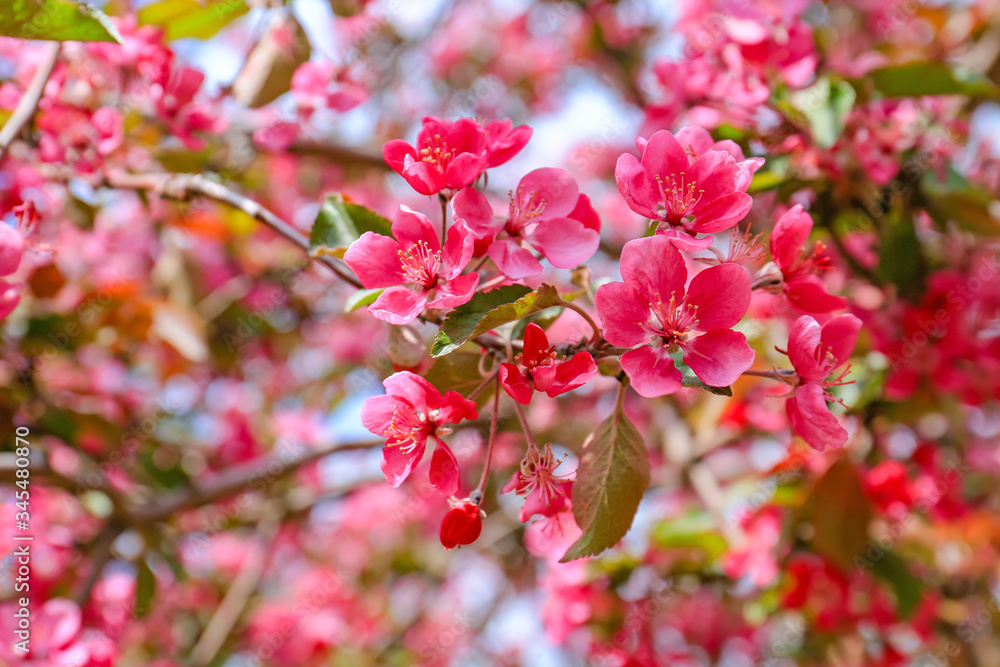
pixel 624 314
pixel 565 242
pixel 375 261
pixel 397 464
pixel 839 337
pixel 651 371
pixel 417 391
pixel 721 295
pixel 719 357
pixel 455 292
pixel 811 419
pixel 514 261
pixel 654 268
pixel 803 340
pixel 550 191
pixel 398 305
pixel 445 476
pixel 409 227
pixel 474 208
pixel 789 234
pixel 515 383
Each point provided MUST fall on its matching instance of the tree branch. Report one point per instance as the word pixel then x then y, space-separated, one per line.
pixel 183 186
pixel 28 104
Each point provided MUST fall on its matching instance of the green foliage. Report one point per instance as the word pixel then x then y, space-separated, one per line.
pixel 489 310
pixel 610 481
pixel 838 513
pixel 824 105
pixel 930 78
pixel 56 20
pixel 341 223
pixel 192 18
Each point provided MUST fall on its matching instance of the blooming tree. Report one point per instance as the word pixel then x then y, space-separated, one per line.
pixel 334 333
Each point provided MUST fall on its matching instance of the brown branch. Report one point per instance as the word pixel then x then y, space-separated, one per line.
pixel 234 479
pixel 28 104
pixel 339 154
pixel 184 186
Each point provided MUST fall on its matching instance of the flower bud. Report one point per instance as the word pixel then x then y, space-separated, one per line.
pixel 461 525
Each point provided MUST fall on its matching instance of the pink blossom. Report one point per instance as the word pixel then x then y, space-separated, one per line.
pixel 176 104
pixel 546 493
pixel 318 85
pixel 11 251
pixel 651 310
pixel 797 270
pixel 462 525
pixel 547 212
pixel 816 352
pixel 504 140
pixel 410 412
pixel 417 270
pixel 541 369
pixel 448 155
pixel 687 180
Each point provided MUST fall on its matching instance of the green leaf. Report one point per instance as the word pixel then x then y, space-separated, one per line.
pixel 892 569
pixel 340 223
pixel 145 588
pixel 459 372
pixel 763 181
pixel 57 20
pixel 825 105
pixel 956 200
pixel 930 78
pixel 839 512
pixel 689 379
pixel 900 259
pixel 610 481
pixel 489 310
pixel 362 298
pixel 192 18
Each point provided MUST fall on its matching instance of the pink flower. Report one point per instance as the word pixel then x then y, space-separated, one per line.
pixel 547 212
pixel 546 493
pixel 650 309
pixel 11 251
pixel 318 85
pixel 798 280
pixel 504 140
pixel 417 270
pixel 448 155
pixel 688 180
pixel 410 412
pixel 542 370
pixel 175 104
pixel 816 352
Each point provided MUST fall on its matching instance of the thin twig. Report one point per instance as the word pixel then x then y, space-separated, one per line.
pixel 477 494
pixel 596 338
pixel 100 554
pixel 28 104
pixel 184 186
pixel 238 595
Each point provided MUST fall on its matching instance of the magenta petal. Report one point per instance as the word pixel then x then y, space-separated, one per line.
pixel 665 155
pixel 454 408
pixel 651 371
pixel 698 140
pixel 808 293
pixel 573 373
pixel 445 476
pixel 839 336
pixel 788 235
pixel 417 391
pixel 586 213
pixel 722 213
pixel 398 305
pixel 410 227
pixel 473 207
pixel 458 249
pixel 377 412
pixel 721 295
pixel 455 292
pixel 565 242
pixel 719 357
pixel 654 268
pixel 811 419
pixel 556 187
pixel 9 298
pixel 375 261
pixel 684 241
pixel 636 187
pixel 515 383
pixel 803 340
pixel 514 261
pixel 395 153
pixel 398 464
pixel 11 249
pixel 624 314
pixel 505 142
pixel 464 169
pixel 424 178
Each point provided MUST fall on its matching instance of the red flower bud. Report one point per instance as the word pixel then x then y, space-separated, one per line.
pixel 461 525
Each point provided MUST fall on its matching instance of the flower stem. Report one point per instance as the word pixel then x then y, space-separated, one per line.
pixel 444 218
pixel 477 493
pixel 524 425
pixel 596 338
pixel 482 385
pixel 779 374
